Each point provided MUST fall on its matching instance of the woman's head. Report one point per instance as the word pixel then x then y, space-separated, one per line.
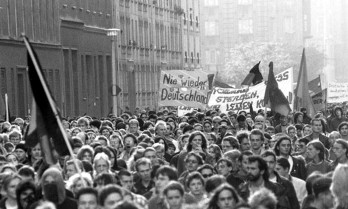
pixel 339 185
pixel 224 197
pixel 315 149
pixel 195 183
pixel 192 161
pixel 10 184
pixel 53 186
pixel 101 163
pixel 174 194
pixel 215 151
pixel 196 140
pixel 25 194
pixel 86 152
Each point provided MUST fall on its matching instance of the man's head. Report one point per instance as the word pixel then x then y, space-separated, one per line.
pixel 165 174
pixel 244 160
pixel 257 169
pixel 21 152
pixel 283 146
pixel 301 146
pixel 15 137
pixel 160 128
pixel 244 141
pixel 270 159
pixel 126 179
pixel 229 143
pixel 322 192
pixel 224 167
pixel 110 195
pixel 256 139
pixel 206 170
pixel 144 168
pixel 133 126
pixel 291 131
pixel 317 126
pixel 282 167
pixel 87 198
pixel 343 129
pixel 83 123
pixel 338 112
pixel 284 120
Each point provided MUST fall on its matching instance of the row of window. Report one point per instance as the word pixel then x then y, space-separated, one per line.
pixel 39 20
pixel 142 33
pixel 245 26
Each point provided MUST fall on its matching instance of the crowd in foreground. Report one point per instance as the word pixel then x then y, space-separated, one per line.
pixel 205 160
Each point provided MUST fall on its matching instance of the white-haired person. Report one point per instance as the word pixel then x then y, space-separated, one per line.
pixel 79 181
pixel 101 164
pixel 263 199
pixel 339 186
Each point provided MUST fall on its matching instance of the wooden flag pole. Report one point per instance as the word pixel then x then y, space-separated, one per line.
pixel 53 107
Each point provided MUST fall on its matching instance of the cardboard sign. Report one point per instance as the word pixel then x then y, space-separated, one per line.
pixel 241 99
pixel 183 88
pixel 182 110
pixel 337 92
pixel 319 100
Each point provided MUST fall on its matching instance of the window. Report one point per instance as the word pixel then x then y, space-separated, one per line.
pixel 245 2
pixel 211 28
pixel 245 26
pixel 211 2
pixel 288 25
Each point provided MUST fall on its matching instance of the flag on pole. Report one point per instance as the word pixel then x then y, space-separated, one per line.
pixel 302 95
pixel 254 77
pixel 274 97
pixel 44 127
pixel 218 83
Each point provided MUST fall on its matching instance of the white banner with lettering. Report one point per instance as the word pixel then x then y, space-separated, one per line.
pixel 337 92
pixel 229 99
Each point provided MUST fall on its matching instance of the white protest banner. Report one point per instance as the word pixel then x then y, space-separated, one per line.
pixel 182 110
pixel 240 99
pixel 319 100
pixel 183 88
pixel 337 92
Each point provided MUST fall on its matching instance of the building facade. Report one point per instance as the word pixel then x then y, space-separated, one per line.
pixel 226 23
pixel 329 32
pixel 70 37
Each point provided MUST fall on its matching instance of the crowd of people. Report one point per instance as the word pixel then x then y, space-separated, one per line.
pixel 205 160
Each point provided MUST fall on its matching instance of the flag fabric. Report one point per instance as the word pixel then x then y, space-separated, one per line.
pixel 274 97
pixel 254 77
pixel 44 125
pixel 302 95
pixel 218 83
pixel 314 86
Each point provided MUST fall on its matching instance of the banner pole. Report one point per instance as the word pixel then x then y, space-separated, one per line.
pixel 6 108
pixel 52 105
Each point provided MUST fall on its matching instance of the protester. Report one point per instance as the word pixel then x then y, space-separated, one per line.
pixel 204 151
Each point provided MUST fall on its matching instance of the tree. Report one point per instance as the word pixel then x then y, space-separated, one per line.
pixel 241 58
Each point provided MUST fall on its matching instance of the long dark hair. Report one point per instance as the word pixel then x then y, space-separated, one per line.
pixel 214 199
pixel 23 186
pixel 193 134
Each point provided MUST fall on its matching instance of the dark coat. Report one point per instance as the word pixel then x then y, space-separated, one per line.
pixel 322 138
pixel 277 189
pixel 289 191
pixel 299 168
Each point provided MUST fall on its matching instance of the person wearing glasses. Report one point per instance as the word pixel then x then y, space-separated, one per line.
pixel 206 170
pixel 192 161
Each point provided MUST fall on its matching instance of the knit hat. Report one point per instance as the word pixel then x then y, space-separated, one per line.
pixel 22 147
